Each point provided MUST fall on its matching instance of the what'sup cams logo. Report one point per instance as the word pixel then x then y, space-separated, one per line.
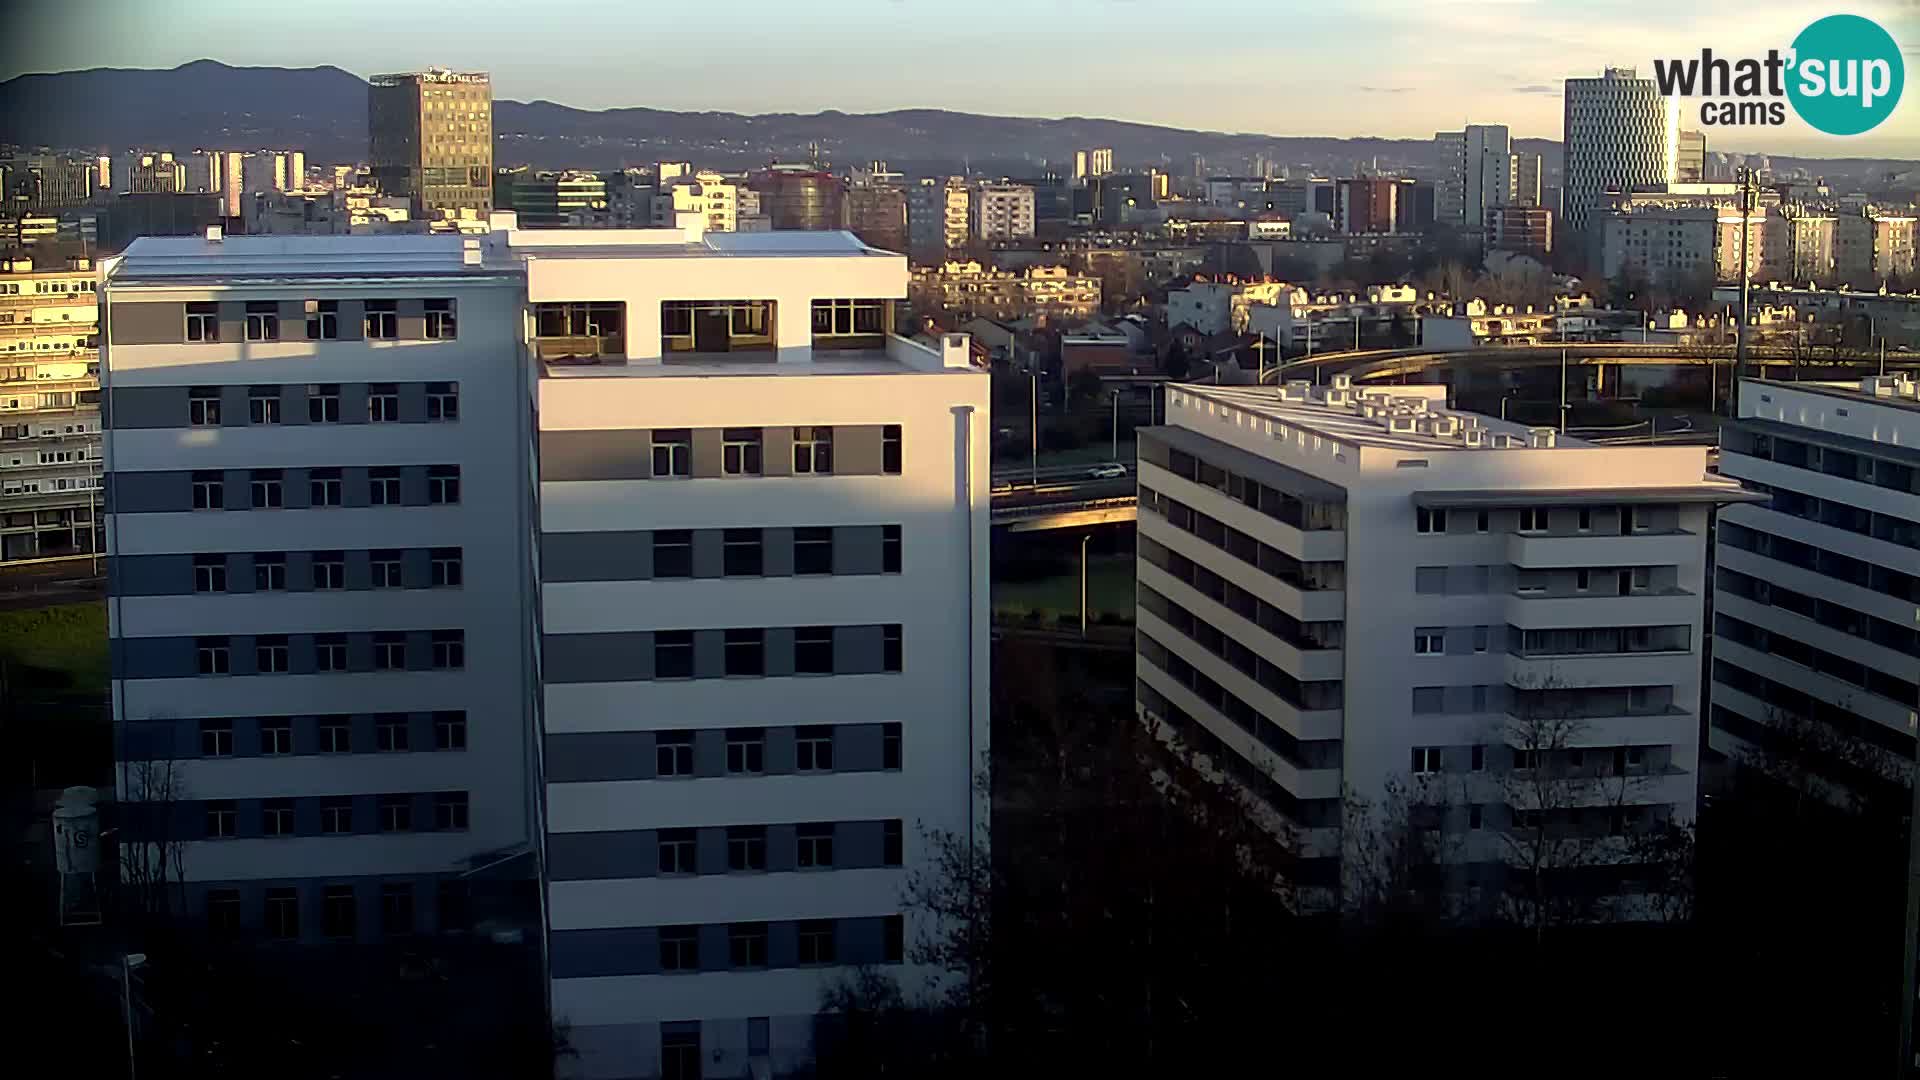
pixel 1843 76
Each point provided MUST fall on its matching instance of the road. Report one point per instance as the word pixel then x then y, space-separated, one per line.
pixel 49 584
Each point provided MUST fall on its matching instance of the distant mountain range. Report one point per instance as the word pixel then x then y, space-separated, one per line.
pixel 323 111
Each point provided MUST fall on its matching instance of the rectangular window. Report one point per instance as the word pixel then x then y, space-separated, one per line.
pixel 330 652
pixel 336 816
pixel 889 549
pixel 1629 522
pixel 203 322
pixel 1582 580
pixel 1429 699
pixel 263 405
pixel 216 738
pixel 443 401
pixel 1426 760
pixel 223 821
pixel 396 813
pixel 1586 519
pixel 329 570
pixel 1480 639
pixel 276 817
pixel 323 403
pixel 1429 641
pixel 680 951
pixel 746 652
pixel 673 654
pixel 672 452
pixel 446 568
pixel 1428 520
pixel 223 912
pixel 263 320
pixel 385 567
pixel 264 487
pixel 1642 578
pixel 672 553
pixel 383 486
pixel 325 487
pixel 893 938
pixel 336 735
pixel 890 750
pixel 813 550
pixel 449 650
pixel 276 736
pixel 812 450
pixel 450 811
pixel 673 754
pixel 813 650
pixel 213 655
pixel 323 320
pixel 390 651
pixel 816 941
pixel 747 945
pixel 740 451
pixel 269 572
pixel 892 843
pixel 1480 522
pixel 816 846
pixel 677 851
pixel 283 914
pixel 450 731
pixel 338 912
pixel 746 751
pixel 1474 817
pixel 746 848
pixel 890 449
pixel 396 910
pixel 440 321
pixel 1533 519
pixel 1479 758
pixel 203 406
pixel 209 573
pixel 443 484
pixel 813 748
pixel 1525 760
pixel 209 491
pixel 382 320
pixel 742 553
pixel 892 647
pixel 383 403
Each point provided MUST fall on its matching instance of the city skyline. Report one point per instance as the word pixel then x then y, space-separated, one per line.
pixel 1387 83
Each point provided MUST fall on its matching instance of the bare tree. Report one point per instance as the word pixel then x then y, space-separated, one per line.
pixel 152 854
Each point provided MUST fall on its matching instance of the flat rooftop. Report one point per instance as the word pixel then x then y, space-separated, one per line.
pixel 1347 423
pixel 1848 390
pixel 191 258
pixel 673 244
pixel 734 365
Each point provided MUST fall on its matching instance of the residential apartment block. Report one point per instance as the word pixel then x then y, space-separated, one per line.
pixel 1620 133
pixel 1815 642
pixel 1002 211
pixel 968 289
pixel 50 394
pixel 1344 587
pixel 680 594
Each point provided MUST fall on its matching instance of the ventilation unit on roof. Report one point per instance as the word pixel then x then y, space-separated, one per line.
pixel 1444 426
pixel 1343 382
pixel 1473 438
pixel 1294 391
pixel 1540 438
pixel 1400 423
pixel 1880 385
pixel 1502 441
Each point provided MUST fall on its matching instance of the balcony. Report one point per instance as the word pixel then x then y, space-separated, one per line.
pixel 1543 612
pixel 1540 551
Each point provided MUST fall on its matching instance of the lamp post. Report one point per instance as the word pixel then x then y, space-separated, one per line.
pixel 1083 583
pixel 1116 424
pixel 1033 425
pixel 128 962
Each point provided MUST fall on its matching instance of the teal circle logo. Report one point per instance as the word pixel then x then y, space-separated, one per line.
pixel 1846 75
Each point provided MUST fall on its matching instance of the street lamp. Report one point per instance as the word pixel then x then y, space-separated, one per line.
pixel 1084 540
pixel 1116 424
pixel 128 962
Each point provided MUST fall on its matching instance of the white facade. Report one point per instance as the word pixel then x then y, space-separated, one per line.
pixel 319 589
pixel 708 194
pixel 1818 590
pixel 1620 133
pixel 719 603
pixel 1348 586
pixel 50 395
pixel 1002 211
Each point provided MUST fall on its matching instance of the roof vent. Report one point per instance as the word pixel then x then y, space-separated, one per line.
pixel 1879 385
pixel 1540 438
pixel 1343 382
pixel 470 252
pixel 1473 437
pixel 1502 441
pixel 1400 423
pixel 214 234
pixel 1444 426
pixel 1909 387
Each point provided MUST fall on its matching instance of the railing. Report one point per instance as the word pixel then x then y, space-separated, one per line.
pixel 1080 506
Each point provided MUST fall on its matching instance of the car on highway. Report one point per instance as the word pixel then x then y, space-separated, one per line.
pixel 1107 472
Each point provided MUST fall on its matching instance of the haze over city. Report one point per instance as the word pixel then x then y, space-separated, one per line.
pixel 1370 67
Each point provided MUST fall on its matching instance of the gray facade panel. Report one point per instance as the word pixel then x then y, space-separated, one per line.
pixel 858 845
pixel 776 551
pixel 706 452
pixel 151 575
pixel 776 451
pixel 158 658
pixel 856 747
pixel 710 850
pixel 353 316
pixel 148 324
pixel 709 654
pixel 602 856
pixel 233 406
pixel 779 650
pixel 596 556
pixel 353 397
pixel 710 752
pixel 296 489
pixel 626 454
pixel 856 450
pixel 860 941
pixel 413 398
pixel 857 650
pixel 149 492
pixel 133 407
pixel 581 954
pixel 233 320
pixel 709 553
pixel 779 751
pixel 413 485
pixel 856 549
pixel 782 849
pixel 578 658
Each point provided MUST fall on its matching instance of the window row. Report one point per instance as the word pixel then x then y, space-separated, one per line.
pixel 740 946
pixel 1302 513
pixel 586 757
pixel 746 652
pixel 1301 635
pixel 732 849
pixel 386 733
pixel 320 403
pixel 742 451
pixel 325 815
pixel 1899 584
pixel 297 654
pixel 1621 520
pixel 1303 754
pixel 1784 706
pixel 1844 668
pixel 261 320
pixel 1308 695
pixel 1193 737
pixel 322 571
pixel 1276 563
pixel 747 751
pixel 1830 461
pixel 339 912
pixel 1842 515
pixel 1555 761
pixel 712 553
pixel 274 489
pixel 1840 618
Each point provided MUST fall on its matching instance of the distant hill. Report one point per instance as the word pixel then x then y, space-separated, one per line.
pixel 323 111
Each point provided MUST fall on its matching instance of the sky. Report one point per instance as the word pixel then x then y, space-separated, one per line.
pixel 1404 69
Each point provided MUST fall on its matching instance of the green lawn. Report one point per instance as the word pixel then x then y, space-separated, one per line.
pixel 61 647
pixel 1109 590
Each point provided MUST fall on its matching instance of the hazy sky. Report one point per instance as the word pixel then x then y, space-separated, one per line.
pixel 1352 67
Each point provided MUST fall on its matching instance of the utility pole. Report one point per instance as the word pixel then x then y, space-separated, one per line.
pixel 1563 389
pixel 1083 583
pixel 1116 424
pixel 1746 287
pixel 1033 382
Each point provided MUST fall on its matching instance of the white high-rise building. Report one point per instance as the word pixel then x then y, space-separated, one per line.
pixel 1620 133
pixel 680 595
pixel 709 194
pixel 1345 587
pixel 1002 211
pixel 1479 171
pixel 1814 626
